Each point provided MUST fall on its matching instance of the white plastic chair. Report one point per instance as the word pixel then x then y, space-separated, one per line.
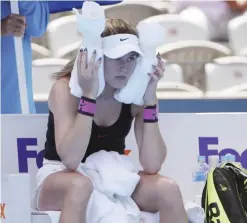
pixel 192 57
pixel 173 73
pixel 70 51
pixel 178 29
pixel 230 60
pixel 225 95
pixel 221 76
pixel 174 87
pixel 131 12
pixel 61 33
pixel 236 89
pixel 195 15
pixel 170 90
pixel 234 92
pixel 237 30
pixel 39 51
pixel 163 6
pixel 243 52
pixel 42 70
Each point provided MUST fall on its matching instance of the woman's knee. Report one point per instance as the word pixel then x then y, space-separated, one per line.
pixel 79 190
pixel 64 187
pixel 169 192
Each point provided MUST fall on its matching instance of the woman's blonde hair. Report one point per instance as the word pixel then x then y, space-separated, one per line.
pixel 113 27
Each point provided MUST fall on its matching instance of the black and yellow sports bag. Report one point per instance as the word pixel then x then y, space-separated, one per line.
pixel 224 197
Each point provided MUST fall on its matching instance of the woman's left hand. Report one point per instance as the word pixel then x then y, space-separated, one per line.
pixel 158 73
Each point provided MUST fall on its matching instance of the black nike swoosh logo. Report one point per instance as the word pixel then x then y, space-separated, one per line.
pixel 123 39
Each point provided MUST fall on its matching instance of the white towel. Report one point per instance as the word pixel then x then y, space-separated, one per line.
pixel 111 200
pixel 145 217
pixel 103 168
pixel 91 24
pixel 114 178
pixel 195 215
pixel 151 35
pixel 195 212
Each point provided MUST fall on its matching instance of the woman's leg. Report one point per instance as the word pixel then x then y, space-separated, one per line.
pixel 156 193
pixel 68 192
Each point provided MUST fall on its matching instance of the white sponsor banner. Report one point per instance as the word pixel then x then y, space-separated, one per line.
pixel 189 135
pixel 186 136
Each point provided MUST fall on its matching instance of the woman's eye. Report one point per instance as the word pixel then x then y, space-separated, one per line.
pixel 132 58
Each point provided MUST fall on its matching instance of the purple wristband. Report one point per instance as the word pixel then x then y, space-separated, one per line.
pixel 87 106
pixel 150 114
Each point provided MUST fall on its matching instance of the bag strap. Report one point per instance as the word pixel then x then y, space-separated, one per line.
pixel 236 168
pixel 234 165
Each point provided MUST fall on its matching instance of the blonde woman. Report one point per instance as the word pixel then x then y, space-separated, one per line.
pixel 79 127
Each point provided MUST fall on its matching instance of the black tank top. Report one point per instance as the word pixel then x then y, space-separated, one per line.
pixel 110 138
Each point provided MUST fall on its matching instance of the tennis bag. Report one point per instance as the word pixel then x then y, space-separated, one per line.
pixel 224 197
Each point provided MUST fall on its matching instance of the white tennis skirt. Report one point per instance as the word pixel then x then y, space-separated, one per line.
pixel 49 167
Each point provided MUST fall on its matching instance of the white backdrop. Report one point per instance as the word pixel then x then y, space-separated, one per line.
pixel 181 133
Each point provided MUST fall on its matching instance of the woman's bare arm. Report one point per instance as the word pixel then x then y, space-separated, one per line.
pixel 72 129
pixel 152 149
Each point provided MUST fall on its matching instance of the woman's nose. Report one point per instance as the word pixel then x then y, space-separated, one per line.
pixel 121 62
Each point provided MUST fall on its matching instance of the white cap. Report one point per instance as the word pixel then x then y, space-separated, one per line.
pixel 116 46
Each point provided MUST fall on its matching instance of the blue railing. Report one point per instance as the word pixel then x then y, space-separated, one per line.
pixel 187 105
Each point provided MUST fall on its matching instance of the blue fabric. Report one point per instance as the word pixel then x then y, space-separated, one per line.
pixel 62 6
pixel 37 18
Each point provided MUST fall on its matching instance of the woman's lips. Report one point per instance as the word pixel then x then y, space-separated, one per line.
pixel 120 77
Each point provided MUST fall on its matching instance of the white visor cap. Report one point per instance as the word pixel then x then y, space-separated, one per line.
pixel 116 46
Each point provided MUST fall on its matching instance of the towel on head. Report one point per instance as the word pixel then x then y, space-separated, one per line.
pixel 91 24
pixel 150 37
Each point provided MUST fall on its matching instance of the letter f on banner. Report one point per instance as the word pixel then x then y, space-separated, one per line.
pixel 24 154
pixel 204 143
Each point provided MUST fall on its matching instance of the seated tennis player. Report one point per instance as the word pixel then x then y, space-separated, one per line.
pixel 75 132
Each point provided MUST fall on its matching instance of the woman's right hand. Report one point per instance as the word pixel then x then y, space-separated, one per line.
pixel 87 72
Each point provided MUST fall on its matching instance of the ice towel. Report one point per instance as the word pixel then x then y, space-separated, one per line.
pixel 91 23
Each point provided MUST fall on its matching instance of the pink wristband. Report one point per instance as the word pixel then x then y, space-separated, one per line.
pixel 87 106
pixel 150 114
